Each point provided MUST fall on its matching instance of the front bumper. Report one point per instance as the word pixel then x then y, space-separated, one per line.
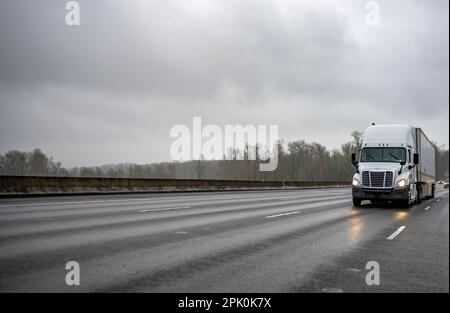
pixel 380 194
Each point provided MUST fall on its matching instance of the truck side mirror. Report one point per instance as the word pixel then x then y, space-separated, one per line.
pixel 402 163
pixel 354 161
pixel 416 159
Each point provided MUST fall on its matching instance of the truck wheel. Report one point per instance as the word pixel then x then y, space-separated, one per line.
pixel 357 201
pixel 419 194
pixel 405 203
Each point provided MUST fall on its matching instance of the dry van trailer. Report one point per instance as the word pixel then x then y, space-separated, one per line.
pixel 425 170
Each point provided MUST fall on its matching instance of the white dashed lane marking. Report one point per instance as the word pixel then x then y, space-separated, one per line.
pixel 394 234
pixel 282 214
pixel 164 209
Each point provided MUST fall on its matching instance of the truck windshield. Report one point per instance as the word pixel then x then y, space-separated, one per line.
pixel 383 155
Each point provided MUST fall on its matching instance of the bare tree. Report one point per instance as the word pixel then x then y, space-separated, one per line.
pixel 38 163
pixel 200 166
pixel 357 139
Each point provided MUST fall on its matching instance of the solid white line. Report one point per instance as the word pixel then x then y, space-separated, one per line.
pixel 165 209
pixel 282 214
pixel 394 234
pixel 426 209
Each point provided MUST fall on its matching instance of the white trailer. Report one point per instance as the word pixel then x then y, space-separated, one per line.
pixel 425 170
pixel 396 163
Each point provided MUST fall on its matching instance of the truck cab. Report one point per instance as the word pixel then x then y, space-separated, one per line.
pixel 387 167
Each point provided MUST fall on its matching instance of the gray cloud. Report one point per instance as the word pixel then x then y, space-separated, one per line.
pixel 111 89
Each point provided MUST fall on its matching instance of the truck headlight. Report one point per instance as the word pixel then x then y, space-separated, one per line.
pixel 356 183
pixel 401 183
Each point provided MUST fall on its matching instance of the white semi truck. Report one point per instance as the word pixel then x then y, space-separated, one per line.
pixel 396 163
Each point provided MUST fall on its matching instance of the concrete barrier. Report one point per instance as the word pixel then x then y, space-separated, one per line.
pixel 11 186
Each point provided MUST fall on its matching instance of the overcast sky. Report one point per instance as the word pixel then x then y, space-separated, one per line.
pixel 109 90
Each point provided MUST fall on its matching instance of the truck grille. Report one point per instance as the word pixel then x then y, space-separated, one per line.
pixel 373 179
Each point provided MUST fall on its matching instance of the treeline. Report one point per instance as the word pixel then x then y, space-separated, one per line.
pixel 297 161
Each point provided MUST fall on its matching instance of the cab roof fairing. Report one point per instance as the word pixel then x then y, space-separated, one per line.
pixel 388 136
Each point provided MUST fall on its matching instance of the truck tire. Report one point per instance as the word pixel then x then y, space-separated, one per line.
pixel 419 194
pixel 405 203
pixel 357 201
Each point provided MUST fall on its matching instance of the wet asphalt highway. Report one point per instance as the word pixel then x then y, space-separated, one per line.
pixel 310 240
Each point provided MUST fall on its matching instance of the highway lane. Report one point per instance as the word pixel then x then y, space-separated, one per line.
pixel 309 240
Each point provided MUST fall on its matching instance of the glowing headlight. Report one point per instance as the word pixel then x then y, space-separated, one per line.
pixel 356 182
pixel 401 183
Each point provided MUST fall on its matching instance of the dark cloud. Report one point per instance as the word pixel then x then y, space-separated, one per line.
pixel 111 89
